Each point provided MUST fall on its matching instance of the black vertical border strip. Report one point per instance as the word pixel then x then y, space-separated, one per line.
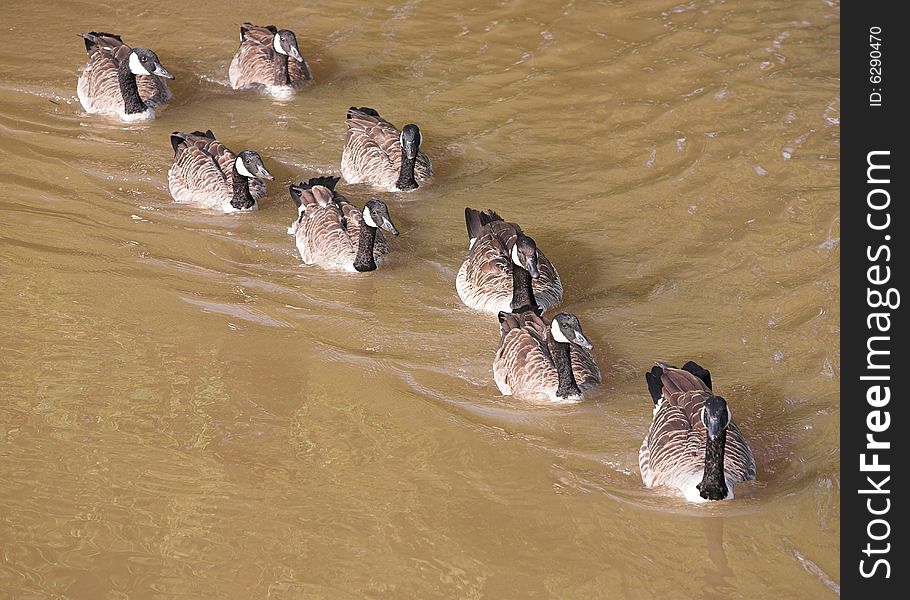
pixel 866 128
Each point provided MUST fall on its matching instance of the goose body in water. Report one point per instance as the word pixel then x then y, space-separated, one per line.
pixel 206 173
pixel 121 81
pixel 540 360
pixel 504 269
pixel 334 234
pixel 693 445
pixel 268 59
pixel 375 152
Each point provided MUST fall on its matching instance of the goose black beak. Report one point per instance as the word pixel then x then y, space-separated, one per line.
pixel 582 341
pixel 714 427
pixel 162 72
pixel 261 173
pixel 532 268
pixel 387 225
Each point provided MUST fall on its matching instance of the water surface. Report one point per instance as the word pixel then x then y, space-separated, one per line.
pixel 188 412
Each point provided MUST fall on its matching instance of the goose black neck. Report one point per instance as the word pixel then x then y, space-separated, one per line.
pixel 406 179
pixel 562 360
pixel 522 292
pixel 132 102
pixel 241 198
pixel 713 485
pixel 283 75
pixel 364 259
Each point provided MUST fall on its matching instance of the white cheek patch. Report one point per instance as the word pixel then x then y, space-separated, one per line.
pixel 557 333
pixel 136 65
pixel 276 44
pixel 368 218
pixel 241 168
pixel 515 258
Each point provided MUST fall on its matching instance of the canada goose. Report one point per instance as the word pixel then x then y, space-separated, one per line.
pixel 268 58
pixel 693 444
pixel 375 152
pixel 333 233
pixel 540 360
pixel 121 81
pixel 206 173
pixel 504 270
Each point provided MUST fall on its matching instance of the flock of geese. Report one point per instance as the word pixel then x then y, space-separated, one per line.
pixel 692 445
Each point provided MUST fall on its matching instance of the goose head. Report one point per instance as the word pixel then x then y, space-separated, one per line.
pixel 524 255
pixel 143 61
pixel 566 329
pixel 376 215
pixel 249 164
pixel 285 42
pixel 715 416
pixel 410 140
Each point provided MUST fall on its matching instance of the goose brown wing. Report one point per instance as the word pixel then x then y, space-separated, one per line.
pixel 523 364
pixel 739 463
pixel 203 164
pixel 675 443
pixel 585 370
pixel 299 71
pixel 488 267
pixel 255 64
pixel 322 236
pixel 153 90
pixel 423 168
pixel 373 141
pixel 548 287
pixel 100 84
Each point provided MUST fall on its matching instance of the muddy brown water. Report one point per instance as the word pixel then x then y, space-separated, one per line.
pixel 188 412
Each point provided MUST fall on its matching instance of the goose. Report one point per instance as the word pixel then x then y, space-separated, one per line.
pixel 375 152
pixel 693 444
pixel 504 270
pixel 540 360
pixel 121 81
pixel 333 233
pixel 206 173
pixel 268 58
